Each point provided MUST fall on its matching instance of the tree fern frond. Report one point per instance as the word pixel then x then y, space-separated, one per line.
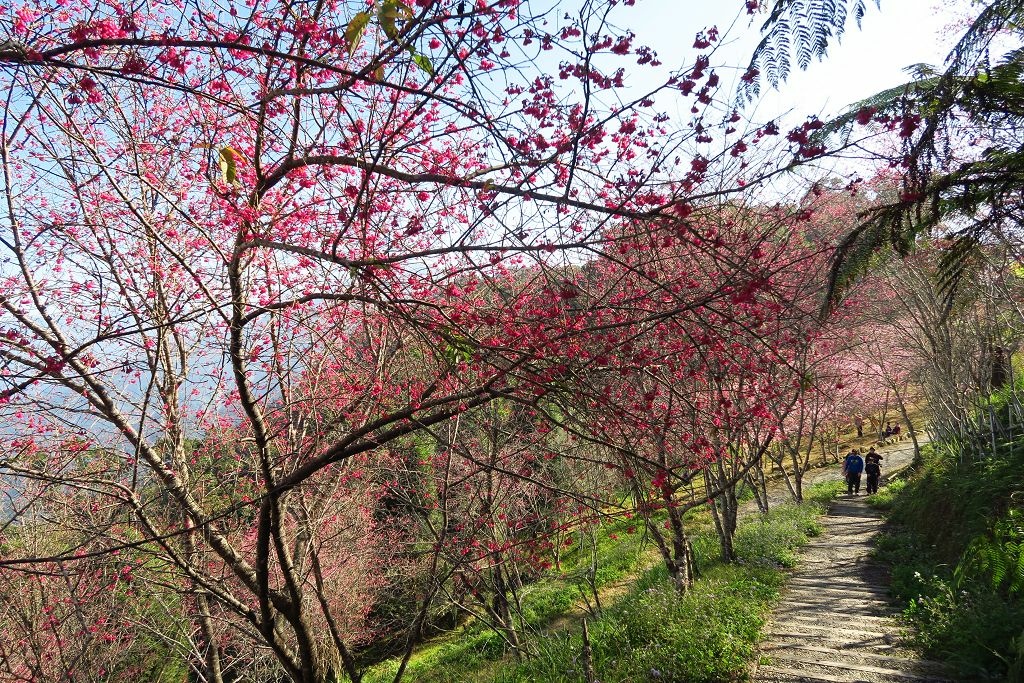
pixel 824 30
pixel 854 256
pixel 804 39
pixel 997 555
pixel 891 101
pixel 996 93
pixel 1013 57
pixel 998 16
pixel 838 9
pixel 812 25
pixel 922 71
pixel 779 10
pixel 953 265
pixel 930 111
pixel 997 564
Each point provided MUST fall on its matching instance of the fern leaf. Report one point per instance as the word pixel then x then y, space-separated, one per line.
pixel 859 9
pixel 998 565
pixel 1017 585
pixel 806 27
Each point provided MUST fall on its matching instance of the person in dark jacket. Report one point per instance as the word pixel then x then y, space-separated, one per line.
pixel 873 468
pixel 853 465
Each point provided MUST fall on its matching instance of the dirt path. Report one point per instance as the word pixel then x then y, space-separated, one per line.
pixel 897 457
pixel 835 621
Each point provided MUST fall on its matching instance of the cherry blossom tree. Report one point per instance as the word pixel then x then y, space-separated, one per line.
pixel 250 250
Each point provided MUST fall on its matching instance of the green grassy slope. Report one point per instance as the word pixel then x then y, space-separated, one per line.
pixel 645 631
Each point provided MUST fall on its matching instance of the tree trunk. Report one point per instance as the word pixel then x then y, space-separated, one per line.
pixel 589 676
pixel 680 562
pixel 756 482
pixel 910 427
pixel 211 654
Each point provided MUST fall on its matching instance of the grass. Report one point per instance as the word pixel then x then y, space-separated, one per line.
pixel 708 634
pixel 471 652
pixel 653 634
pixel 650 633
pixel 886 497
pixel 962 611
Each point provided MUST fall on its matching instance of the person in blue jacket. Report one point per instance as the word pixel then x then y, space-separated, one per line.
pixel 853 465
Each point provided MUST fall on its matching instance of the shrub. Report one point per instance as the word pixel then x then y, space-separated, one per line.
pixel 955 551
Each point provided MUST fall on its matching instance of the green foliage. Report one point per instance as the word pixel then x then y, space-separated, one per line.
pixel 773 541
pixel 459 349
pixel 653 634
pixel 957 626
pixel 959 622
pixel 469 653
pixel 355 29
pixel 886 497
pixel 955 558
pixel 227 159
pixel 823 493
pixel 998 554
pixel 445 661
pixel 422 61
pixel 390 12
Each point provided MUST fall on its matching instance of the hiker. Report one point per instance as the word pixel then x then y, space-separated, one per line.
pixel 896 430
pixel 853 465
pixel 888 430
pixel 873 468
pixel 858 422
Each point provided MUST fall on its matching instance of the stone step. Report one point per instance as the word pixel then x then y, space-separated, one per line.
pixel 860 562
pixel 773 673
pixel 818 665
pixel 780 674
pixel 837 609
pixel 820 584
pixel 842 637
pixel 837 604
pixel 860 623
pixel 860 656
pixel 876 644
pixel 851 511
pixel 804 594
pixel 843 633
pixel 857 610
pixel 849 632
pixel 839 544
pixel 851 600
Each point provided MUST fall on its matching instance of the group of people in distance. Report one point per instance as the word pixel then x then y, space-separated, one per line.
pixel 890 428
pixel 854 465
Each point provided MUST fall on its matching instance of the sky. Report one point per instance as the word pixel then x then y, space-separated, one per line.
pixel 898 34
pixel 893 36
